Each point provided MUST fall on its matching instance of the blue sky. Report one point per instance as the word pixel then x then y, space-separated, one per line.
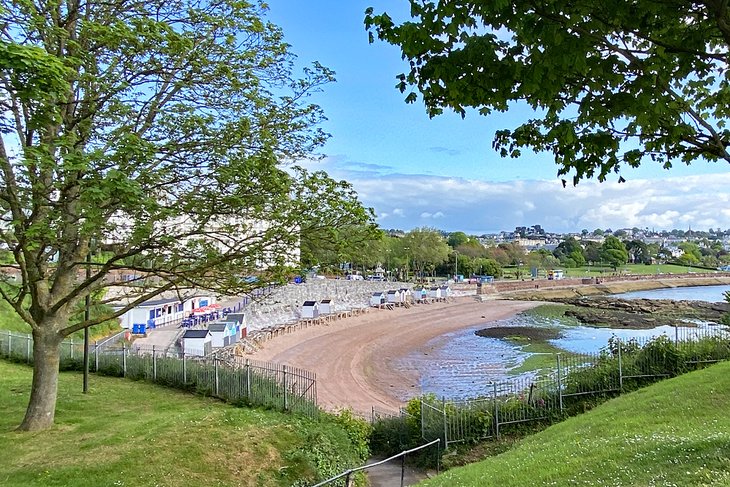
pixel 442 172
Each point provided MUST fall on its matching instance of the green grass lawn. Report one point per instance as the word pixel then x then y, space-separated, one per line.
pixel 138 434
pixel 636 269
pixel 674 433
pixel 604 270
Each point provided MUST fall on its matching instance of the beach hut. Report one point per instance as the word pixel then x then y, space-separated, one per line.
pixel 445 291
pixel 405 294
pixel 197 342
pixel 326 307
pixel 310 310
pixel 434 293
pixel 223 334
pixel 377 299
pixel 393 296
pixel 241 323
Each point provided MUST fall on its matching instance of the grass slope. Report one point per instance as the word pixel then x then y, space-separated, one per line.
pixel 138 434
pixel 674 433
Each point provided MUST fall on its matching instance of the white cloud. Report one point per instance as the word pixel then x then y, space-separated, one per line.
pixel 481 206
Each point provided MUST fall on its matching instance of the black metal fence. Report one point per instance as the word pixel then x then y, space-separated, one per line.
pixel 545 395
pixel 234 380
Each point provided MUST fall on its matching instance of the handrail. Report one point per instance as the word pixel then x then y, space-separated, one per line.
pixel 349 472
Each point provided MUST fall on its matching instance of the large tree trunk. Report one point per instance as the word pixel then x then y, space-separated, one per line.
pixel 46 358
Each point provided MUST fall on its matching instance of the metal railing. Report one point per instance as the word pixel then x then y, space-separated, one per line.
pixel 251 382
pixel 548 394
pixel 347 474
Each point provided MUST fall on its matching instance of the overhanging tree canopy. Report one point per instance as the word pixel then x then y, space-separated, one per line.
pixel 155 129
pixel 612 83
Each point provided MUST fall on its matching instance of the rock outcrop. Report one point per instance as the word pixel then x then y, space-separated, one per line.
pixel 642 313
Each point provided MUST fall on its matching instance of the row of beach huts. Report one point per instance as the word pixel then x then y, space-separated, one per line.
pixel 207 327
pixel 403 296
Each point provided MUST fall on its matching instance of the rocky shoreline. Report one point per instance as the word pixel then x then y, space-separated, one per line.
pixel 642 313
pixel 591 305
pixel 565 289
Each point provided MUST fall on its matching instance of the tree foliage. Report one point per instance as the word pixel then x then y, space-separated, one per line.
pixel 157 130
pixel 613 84
pixel 614 252
pixel 457 238
pixel 425 248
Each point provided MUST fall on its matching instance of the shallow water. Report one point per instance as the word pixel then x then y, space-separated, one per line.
pixel 710 294
pixel 461 364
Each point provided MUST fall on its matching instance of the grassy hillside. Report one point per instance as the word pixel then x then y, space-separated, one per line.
pixel 674 433
pixel 137 434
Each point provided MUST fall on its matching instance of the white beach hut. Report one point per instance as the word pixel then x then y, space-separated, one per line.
pixel 405 294
pixel 197 342
pixel 310 310
pixel 393 296
pixel 326 307
pixel 377 299
pixel 434 293
pixel 445 291
pixel 223 334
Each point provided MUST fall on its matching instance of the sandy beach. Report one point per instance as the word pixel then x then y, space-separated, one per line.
pixel 355 359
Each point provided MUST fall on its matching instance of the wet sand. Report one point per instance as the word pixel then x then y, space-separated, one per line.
pixel 356 359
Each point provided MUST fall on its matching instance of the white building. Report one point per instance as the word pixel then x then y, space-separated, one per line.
pixel 161 311
pixel 197 343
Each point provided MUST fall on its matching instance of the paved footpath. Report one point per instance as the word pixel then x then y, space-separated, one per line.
pixel 388 474
pixel 159 338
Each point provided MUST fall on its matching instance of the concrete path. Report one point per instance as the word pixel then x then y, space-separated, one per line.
pixel 158 337
pixel 388 474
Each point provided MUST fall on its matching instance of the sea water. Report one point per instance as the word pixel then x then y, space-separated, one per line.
pixel 463 365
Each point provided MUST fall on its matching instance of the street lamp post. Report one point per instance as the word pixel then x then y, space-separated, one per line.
pixel 407 261
pixel 387 263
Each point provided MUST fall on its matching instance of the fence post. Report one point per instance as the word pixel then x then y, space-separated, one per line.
pixel 185 368
pixel 10 344
pixel 286 398
pixel 154 363
pixel 72 349
pixel 676 336
pixel 215 369
pixel 248 380
pixel 423 424
pixel 96 356
pixel 27 351
pixel 620 369
pixel 496 410
pixel 560 386
pixel 124 360
pixel 402 470
pixel 446 437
